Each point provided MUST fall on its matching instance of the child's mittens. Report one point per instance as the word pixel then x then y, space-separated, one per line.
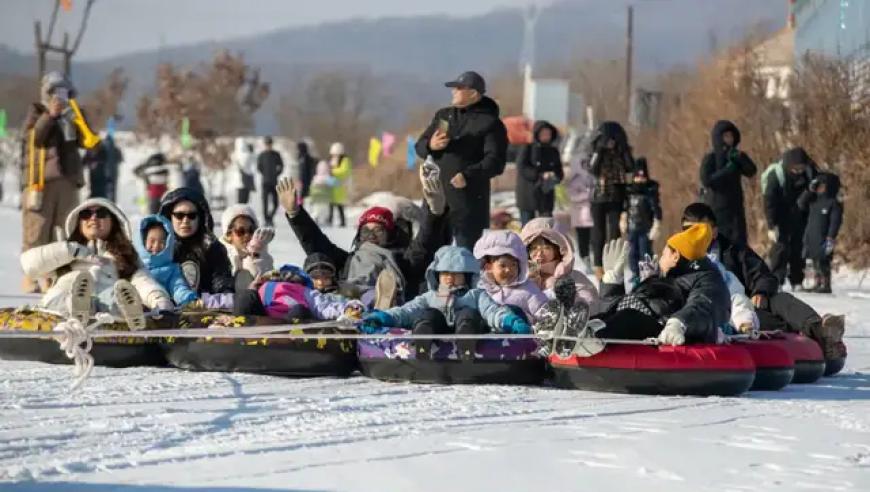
pixel 262 237
pixel 353 311
pixel 376 322
pixel 515 325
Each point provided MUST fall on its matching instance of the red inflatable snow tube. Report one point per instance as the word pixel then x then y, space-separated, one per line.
pixel 774 364
pixel 809 362
pixel 723 370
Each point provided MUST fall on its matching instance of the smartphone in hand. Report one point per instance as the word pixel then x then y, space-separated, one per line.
pixel 443 125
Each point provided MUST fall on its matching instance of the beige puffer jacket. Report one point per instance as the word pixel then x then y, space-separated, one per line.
pixel 45 260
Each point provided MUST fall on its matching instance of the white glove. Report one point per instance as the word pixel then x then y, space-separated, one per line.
pixel 613 259
pixel 262 237
pixel 773 234
pixel 674 333
pixel 623 223
pixel 288 196
pixel 655 230
pixel 433 191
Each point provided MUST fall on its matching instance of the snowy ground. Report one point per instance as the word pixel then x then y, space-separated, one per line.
pixel 166 430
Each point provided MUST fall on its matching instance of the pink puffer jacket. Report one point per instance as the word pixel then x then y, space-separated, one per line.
pixel 522 293
pixel 543 227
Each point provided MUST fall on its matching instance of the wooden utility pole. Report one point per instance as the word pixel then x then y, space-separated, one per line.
pixel 629 55
pixel 44 46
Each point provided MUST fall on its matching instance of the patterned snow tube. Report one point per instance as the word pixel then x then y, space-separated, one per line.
pixel 298 358
pixel 703 370
pixel 117 351
pixel 774 365
pixel 495 361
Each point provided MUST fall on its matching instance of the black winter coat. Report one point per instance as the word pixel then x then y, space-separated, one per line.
pixel 610 167
pixel 781 197
pixel 477 149
pixel 535 159
pixel 307 168
pixel 643 205
pixel 722 190
pixel 747 266
pixel 825 216
pixel 412 257
pixel 693 292
pixel 270 165
pixel 202 249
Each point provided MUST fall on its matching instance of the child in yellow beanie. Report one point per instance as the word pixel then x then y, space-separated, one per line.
pixel 686 302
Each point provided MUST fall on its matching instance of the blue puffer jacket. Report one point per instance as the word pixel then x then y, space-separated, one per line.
pixel 162 268
pixel 452 259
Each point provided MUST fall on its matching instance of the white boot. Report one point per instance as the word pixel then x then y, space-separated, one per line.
pixel 81 291
pixel 130 305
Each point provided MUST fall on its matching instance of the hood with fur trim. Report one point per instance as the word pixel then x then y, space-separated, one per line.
pixel 72 220
pixel 232 212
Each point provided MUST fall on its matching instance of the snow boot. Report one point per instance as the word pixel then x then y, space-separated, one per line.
pixel 830 336
pixel 130 305
pixel 81 291
pixel 386 289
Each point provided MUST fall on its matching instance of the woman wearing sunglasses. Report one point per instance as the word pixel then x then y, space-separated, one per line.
pixel 203 259
pixel 246 243
pixel 97 268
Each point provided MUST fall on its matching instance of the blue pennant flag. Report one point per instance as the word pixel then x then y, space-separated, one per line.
pixel 412 153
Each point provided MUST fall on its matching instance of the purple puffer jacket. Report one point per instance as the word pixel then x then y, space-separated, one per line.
pixel 522 293
pixel 544 227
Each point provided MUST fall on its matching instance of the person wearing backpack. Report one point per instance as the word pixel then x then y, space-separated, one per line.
pixel 722 190
pixel 784 183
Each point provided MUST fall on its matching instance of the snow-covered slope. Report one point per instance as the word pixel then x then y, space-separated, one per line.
pixel 151 429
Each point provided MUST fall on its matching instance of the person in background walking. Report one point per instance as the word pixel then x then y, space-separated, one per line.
pixel 721 188
pixel 341 168
pixel 468 142
pixel 245 165
pixel 102 162
pixel 641 221
pixel 580 186
pixel 270 165
pixel 611 165
pixel 825 216
pixel 539 170
pixel 307 166
pixel 786 220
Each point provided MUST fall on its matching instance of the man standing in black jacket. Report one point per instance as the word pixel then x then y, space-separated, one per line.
pixel 270 165
pixel 468 141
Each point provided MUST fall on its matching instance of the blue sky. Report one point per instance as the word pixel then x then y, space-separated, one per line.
pixel 122 26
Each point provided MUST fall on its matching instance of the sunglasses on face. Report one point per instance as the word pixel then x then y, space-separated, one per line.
pixel 99 213
pixel 179 216
pixel 243 231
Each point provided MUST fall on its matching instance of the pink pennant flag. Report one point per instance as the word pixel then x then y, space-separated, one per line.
pixel 388 140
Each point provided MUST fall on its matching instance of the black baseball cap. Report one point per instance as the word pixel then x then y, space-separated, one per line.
pixel 469 80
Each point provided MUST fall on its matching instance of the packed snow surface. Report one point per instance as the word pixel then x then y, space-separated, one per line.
pixel 147 429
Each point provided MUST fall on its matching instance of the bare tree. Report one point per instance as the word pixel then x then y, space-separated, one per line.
pixel 218 100
pixel 45 46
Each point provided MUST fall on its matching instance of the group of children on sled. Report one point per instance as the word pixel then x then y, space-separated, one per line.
pixel 699 288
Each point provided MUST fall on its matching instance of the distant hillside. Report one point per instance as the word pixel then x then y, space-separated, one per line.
pixel 415 54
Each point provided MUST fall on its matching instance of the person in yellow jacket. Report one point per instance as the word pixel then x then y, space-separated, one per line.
pixel 341 168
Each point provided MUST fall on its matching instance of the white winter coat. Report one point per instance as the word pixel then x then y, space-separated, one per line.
pixel 742 309
pixel 44 261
